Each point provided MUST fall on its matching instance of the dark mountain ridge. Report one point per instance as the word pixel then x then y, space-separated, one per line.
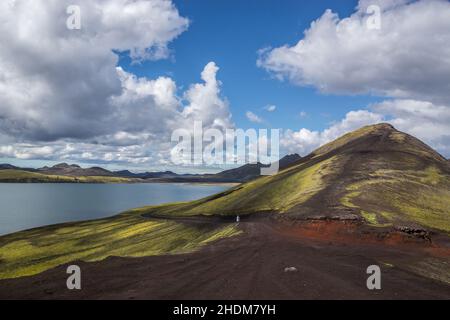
pixel 241 174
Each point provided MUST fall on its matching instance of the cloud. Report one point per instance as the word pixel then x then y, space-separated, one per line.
pixel 270 108
pixel 303 114
pixel 406 58
pixel 63 97
pixel 147 111
pixel 253 117
pixel 304 140
pixel 25 152
pixel 59 83
pixel 205 102
pixel 425 120
pixel 428 122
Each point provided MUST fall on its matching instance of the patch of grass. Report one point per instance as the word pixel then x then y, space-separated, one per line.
pixel 345 139
pixel 387 264
pixel 374 219
pixel 347 199
pixel 369 217
pixel 432 175
pixel 432 268
pixel 422 197
pixel 397 136
pixel 12 175
pixel 126 235
pixel 429 208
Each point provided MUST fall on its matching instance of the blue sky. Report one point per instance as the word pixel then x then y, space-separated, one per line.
pixel 230 33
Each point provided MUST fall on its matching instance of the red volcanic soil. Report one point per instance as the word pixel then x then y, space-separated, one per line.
pixel 331 259
pixel 355 233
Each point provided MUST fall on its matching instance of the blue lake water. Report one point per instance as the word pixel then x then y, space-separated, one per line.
pixel 28 205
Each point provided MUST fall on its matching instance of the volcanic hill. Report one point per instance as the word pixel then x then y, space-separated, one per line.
pixel 377 174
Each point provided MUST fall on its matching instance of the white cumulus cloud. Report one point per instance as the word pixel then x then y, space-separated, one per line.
pixel 64 97
pixel 270 108
pixel 406 58
pixel 58 83
pixel 253 117
pixel 304 140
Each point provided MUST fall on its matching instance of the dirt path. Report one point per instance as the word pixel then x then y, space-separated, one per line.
pixel 250 266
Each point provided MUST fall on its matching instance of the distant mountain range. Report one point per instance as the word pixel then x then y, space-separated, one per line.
pixel 64 172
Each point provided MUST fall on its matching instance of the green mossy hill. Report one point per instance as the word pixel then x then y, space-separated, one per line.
pixel 280 193
pixel 381 137
pixel 403 197
pixel 395 179
pixel 383 175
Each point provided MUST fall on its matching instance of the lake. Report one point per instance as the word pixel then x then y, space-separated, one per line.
pixel 29 205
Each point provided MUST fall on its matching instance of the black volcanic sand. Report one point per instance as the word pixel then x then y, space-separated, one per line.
pixel 251 266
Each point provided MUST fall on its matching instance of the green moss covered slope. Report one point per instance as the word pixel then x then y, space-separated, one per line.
pixel 378 173
pixel 126 235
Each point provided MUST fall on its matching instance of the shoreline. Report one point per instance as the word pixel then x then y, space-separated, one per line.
pixel 112 214
pixel 231 184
